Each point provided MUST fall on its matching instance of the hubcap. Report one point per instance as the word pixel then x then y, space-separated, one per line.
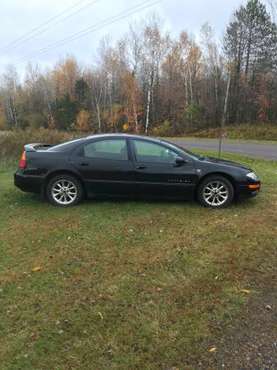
pixel 215 193
pixel 64 192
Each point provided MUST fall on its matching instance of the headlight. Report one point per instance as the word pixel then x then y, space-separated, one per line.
pixel 252 176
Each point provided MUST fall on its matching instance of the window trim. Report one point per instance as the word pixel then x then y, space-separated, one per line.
pixel 154 143
pixel 106 139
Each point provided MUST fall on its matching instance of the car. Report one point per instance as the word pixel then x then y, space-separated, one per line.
pixel 132 166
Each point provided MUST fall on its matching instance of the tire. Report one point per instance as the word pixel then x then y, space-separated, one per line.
pixel 64 191
pixel 215 192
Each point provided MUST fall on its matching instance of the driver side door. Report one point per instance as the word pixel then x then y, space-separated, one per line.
pixel 157 173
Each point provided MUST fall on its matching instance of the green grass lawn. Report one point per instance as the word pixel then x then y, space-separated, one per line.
pixel 128 285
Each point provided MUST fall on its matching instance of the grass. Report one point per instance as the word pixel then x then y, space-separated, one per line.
pixel 254 131
pixel 128 285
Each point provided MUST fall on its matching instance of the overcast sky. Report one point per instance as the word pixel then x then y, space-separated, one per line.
pixel 20 16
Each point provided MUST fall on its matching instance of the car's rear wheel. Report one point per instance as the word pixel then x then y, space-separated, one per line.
pixel 216 192
pixel 64 191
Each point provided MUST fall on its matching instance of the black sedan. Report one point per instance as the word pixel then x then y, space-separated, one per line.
pixel 128 165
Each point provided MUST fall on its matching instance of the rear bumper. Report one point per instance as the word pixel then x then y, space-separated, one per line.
pixel 249 190
pixel 32 184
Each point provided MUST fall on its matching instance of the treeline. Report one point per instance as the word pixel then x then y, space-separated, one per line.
pixel 153 83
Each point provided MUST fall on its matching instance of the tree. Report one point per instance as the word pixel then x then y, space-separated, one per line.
pixel 153 82
pixel 82 92
pixel 154 49
pixel 131 93
pixel 213 70
pixel 250 45
pixel 64 113
pixel 97 87
pixel 10 86
pixel 65 76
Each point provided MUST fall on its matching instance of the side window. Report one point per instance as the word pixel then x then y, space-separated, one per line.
pixel 151 152
pixel 107 149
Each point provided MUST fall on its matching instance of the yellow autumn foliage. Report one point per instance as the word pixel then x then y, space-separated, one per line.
pixel 82 121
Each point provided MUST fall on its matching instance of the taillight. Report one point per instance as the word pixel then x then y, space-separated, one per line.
pixel 23 161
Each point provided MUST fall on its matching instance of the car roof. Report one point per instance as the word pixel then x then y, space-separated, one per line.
pixel 120 135
pixel 71 144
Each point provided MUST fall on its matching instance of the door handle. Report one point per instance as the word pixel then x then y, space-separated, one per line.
pixel 83 164
pixel 140 167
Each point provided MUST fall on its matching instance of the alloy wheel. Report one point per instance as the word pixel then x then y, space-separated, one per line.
pixel 216 193
pixel 64 192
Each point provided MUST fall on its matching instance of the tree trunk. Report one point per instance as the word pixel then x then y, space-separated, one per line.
pixel 190 86
pixel 249 45
pixel 12 111
pixel 148 110
pixel 148 104
pixel 216 94
pixel 135 115
pixel 98 117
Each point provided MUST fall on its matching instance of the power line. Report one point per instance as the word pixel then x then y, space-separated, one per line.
pixel 39 29
pixel 127 12
pixel 106 22
pixel 19 39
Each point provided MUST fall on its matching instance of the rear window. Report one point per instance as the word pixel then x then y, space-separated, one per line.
pixel 112 149
pixel 64 147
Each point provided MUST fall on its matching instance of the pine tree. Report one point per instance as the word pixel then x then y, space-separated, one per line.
pixel 250 44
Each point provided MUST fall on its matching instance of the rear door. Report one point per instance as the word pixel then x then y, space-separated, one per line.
pixel 105 166
pixel 157 172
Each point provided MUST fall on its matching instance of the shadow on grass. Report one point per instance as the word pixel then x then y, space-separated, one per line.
pixel 30 200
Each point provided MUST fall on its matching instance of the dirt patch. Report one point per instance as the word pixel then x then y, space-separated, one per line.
pixel 251 341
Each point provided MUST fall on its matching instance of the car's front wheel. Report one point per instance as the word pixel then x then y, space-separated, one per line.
pixel 216 192
pixel 64 191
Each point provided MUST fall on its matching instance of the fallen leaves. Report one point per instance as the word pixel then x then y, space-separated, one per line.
pixel 36 269
pixel 246 291
pixel 100 315
pixel 212 349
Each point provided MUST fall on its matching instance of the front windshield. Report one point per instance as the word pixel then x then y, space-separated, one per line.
pixel 185 151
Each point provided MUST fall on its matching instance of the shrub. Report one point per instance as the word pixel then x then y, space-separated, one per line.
pixel 3 122
pixel 35 120
pixel 12 142
pixel 165 129
pixel 193 115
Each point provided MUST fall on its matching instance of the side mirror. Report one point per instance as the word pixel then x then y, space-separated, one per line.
pixel 179 161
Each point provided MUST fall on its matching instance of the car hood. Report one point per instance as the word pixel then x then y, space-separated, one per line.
pixel 226 163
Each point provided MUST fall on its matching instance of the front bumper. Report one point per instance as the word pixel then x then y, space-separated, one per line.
pixel 249 190
pixel 27 183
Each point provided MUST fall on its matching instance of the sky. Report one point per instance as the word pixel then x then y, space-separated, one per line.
pixel 63 18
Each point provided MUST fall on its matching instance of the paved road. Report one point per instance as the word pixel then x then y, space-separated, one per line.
pixel 257 150
pixel 247 148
